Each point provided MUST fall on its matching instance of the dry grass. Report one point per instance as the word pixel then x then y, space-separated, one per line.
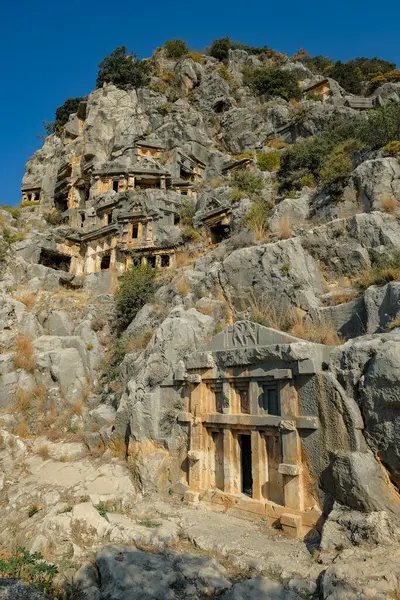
pixel 319 334
pixel 139 342
pixel 393 324
pixel 22 404
pixel 28 298
pixel 340 298
pixel 43 451
pixel 186 257
pixel 389 205
pixel 182 285
pixel 376 277
pixel 291 321
pixel 284 228
pixel 97 324
pixel 23 355
pixel 76 408
pixel 207 309
pixel 22 429
pixel 277 143
pixel 119 449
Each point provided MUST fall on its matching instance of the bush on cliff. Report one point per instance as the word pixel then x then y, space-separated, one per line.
pixel 123 70
pixel 272 81
pixel 176 48
pixel 136 288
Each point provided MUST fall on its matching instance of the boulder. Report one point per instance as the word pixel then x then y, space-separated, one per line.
pixel 376 181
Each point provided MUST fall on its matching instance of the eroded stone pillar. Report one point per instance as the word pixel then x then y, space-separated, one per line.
pixel 231 463
pixel 259 465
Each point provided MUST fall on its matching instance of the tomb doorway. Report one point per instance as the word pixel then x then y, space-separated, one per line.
pixel 246 475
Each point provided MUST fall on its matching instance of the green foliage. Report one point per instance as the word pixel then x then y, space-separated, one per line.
pixel 165 109
pixel 351 74
pixel 175 48
pixel 337 168
pixel 149 524
pixel 268 161
pixel 190 234
pixel 257 218
pixel 247 182
pixel 225 73
pixel 63 112
pixel 219 48
pixel 32 510
pixel 102 510
pixel 30 567
pixel 29 203
pixel 12 210
pixel 393 148
pixel 187 211
pixel 319 64
pixel 272 81
pixel 12 238
pixel 123 70
pixel 302 159
pixel 285 269
pixel 54 218
pixel 136 288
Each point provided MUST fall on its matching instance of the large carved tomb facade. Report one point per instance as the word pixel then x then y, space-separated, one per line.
pixel 247 423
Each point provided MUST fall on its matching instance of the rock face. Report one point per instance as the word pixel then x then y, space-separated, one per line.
pixel 261 379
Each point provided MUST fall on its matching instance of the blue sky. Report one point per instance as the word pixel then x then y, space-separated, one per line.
pixel 50 49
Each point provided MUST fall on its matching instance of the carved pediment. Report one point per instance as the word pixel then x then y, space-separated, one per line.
pixel 246 334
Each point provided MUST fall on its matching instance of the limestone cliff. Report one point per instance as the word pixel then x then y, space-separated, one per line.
pixel 261 376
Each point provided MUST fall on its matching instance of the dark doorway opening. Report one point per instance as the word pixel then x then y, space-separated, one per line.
pixel 83 218
pixel 177 219
pixel 54 260
pixel 115 185
pixel 105 262
pixel 219 233
pixel 135 231
pixel 109 218
pixel 165 260
pixel 246 465
pixel 151 260
pixel 61 204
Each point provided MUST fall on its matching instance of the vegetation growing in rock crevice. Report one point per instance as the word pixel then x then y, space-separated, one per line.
pixel 272 81
pixel 123 70
pixel 175 48
pixel 136 288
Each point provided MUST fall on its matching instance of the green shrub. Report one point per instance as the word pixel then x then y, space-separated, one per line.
pixel 219 48
pixel 393 148
pixel 225 73
pixel 307 181
pixel 273 82
pixel 165 109
pixel 12 210
pixel 302 159
pixel 351 74
pixel 12 238
pixel 190 234
pixel 102 510
pixel 31 203
pixel 247 182
pixel 136 288
pixel 54 218
pixel 123 70
pixel 268 161
pixel 149 524
pixel 175 48
pixel 196 57
pixel 337 168
pixel 187 211
pixel 29 567
pixel 32 510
